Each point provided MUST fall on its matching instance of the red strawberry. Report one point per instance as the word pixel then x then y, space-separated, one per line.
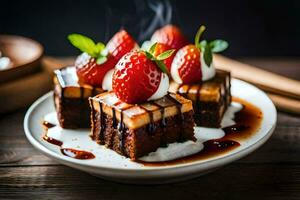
pixel 160 48
pixel 187 64
pixel 120 44
pixel 89 72
pixel 94 63
pixel 170 35
pixel 136 78
pixel 190 60
pixel 139 76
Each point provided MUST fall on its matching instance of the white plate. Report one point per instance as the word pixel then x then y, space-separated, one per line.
pixel 110 165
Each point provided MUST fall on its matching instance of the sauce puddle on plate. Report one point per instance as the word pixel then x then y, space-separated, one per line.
pixel 78 154
pixel 73 153
pixel 248 121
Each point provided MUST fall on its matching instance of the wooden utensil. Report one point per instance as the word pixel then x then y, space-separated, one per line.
pixel 266 80
pixel 285 104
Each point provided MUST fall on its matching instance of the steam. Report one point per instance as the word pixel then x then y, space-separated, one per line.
pixel 162 16
pixel 141 19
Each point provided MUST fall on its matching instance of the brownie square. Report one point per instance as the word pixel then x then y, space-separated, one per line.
pixel 136 130
pixel 210 98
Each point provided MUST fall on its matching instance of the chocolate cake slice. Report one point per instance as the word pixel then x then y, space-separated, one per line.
pixel 210 98
pixel 136 130
pixel 71 99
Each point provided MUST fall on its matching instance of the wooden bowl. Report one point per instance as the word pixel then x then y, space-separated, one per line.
pixel 24 53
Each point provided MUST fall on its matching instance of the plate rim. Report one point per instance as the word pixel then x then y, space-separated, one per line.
pixel 205 165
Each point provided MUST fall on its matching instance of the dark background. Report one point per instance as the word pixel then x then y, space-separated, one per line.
pixel 252 27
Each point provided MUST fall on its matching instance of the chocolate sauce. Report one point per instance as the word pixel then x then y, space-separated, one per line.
pixel 234 129
pixel 78 154
pixel 62 95
pixel 52 140
pixel 163 122
pixel 102 120
pixel 114 118
pixel 197 104
pixel 163 118
pixel 219 145
pixel 151 126
pixel 121 128
pixel 92 117
pixel 248 120
pixel 178 106
pixel 48 124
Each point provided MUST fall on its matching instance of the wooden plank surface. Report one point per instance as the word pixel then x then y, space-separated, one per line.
pixel 271 172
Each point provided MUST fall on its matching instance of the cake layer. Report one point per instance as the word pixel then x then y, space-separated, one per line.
pixel 136 130
pixel 210 98
pixel 71 99
pixel 136 116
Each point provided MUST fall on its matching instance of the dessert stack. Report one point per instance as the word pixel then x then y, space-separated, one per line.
pixel 136 100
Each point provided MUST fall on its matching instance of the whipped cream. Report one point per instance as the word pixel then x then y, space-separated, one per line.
pixel 107 80
pixel 82 60
pixel 69 76
pixel 175 66
pixel 162 89
pixel 208 72
pixel 146 45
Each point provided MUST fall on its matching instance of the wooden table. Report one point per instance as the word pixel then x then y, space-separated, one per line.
pixel 272 172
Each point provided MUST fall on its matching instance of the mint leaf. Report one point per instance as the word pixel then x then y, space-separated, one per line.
pixel 198 35
pixel 162 66
pixel 218 45
pixel 202 45
pixel 99 47
pixel 101 60
pixel 86 44
pixel 152 48
pixel 165 54
pixel 207 54
pixel 104 52
pixel 149 55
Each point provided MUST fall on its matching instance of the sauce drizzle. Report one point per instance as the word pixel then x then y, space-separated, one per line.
pixel 78 154
pixel 73 153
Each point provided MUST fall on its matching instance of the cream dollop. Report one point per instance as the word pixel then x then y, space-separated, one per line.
pixel 208 72
pixel 162 89
pixel 146 45
pixel 107 80
pixel 175 66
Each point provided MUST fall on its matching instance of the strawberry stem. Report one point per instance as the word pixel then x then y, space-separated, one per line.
pixel 198 35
